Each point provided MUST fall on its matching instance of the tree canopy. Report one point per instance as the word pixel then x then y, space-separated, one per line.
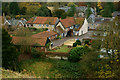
pixel 14 8
pixel 71 11
pixel 9 53
pixel 44 11
pixel 60 13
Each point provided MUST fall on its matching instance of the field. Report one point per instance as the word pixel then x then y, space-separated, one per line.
pixel 51 68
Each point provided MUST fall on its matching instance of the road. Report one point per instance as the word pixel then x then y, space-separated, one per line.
pixel 61 41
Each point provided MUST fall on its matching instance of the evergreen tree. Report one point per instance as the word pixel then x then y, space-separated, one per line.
pixel 5 8
pixel 14 8
pixel 9 53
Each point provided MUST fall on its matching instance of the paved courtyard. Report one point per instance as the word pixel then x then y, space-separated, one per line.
pixel 61 41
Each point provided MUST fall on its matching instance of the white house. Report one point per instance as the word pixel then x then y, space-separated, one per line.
pixel 15 22
pixel 84 28
pixel 72 26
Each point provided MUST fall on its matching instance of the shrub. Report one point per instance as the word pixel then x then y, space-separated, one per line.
pixel 76 53
pixel 36 54
pixel 45 29
pixel 74 44
pixel 78 42
pixel 58 37
pixel 87 42
pixel 48 45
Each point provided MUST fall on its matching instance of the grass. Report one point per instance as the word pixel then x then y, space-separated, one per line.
pixel 63 69
pixel 63 48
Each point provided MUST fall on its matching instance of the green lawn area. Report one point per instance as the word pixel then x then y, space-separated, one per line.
pixel 62 69
pixel 63 48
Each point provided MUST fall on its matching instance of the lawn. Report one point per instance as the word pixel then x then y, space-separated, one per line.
pixel 63 48
pixel 52 68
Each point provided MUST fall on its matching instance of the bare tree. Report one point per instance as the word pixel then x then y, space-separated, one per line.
pixel 25 40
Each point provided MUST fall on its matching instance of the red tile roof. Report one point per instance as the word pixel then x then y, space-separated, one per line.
pixel 44 34
pixel 43 20
pixel 30 21
pixel 33 41
pixel 68 22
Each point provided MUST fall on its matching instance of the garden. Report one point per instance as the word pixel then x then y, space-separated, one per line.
pixel 63 48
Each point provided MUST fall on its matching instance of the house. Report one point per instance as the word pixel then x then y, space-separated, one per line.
pixel 98 21
pixel 39 43
pixel 51 35
pixel 15 22
pixel 65 8
pixel 81 26
pixel 116 13
pixel 42 22
pixel 65 26
pixel 72 26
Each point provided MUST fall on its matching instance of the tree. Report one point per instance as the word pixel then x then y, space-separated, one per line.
pixel 64 15
pixel 108 9
pixel 25 40
pixel 88 11
pixel 96 45
pixel 14 8
pixel 60 13
pixel 117 6
pixel 43 11
pixel 23 11
pixel 71 11
pixel 112 40
pixel 9 52
pixel 76 53
pixel 71 4
pixel 31 7
pixel 5 8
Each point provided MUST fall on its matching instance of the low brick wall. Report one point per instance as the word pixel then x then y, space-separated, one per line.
pixel 65 54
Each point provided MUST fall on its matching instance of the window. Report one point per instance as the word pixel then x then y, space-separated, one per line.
pixel 20 25
pixel 47 25
pixel 56 35
pixel 52 25
pixel 40 25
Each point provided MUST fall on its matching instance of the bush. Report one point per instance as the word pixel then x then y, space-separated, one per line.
pixel 45 29
pixel 87 42
pixel 36 54
pixel 58 37
pixel 32 28
pixel 76 53
pixel 74 44
pixel 78 42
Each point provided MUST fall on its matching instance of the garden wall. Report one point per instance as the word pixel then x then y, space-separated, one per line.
pixel 63 54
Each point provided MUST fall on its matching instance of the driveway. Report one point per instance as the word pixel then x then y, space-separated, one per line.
pixel 61 41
